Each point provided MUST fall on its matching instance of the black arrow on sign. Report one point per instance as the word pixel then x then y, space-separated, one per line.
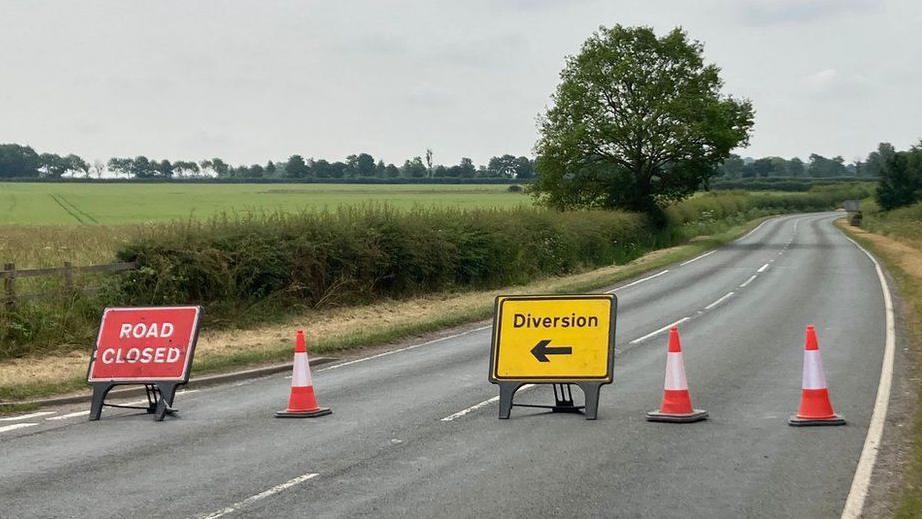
pixel 541 350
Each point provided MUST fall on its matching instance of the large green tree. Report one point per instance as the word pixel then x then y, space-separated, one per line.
pixel 636 121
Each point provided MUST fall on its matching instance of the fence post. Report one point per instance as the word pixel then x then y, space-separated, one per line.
pixel 68 277
pixel 9 285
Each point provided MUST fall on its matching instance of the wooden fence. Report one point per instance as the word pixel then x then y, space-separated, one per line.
pixel 10 274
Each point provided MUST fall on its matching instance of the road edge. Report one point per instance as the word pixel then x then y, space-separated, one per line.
pixel 861 482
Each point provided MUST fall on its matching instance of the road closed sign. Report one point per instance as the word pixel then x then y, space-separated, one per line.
pixel 145 344
pixel 554 338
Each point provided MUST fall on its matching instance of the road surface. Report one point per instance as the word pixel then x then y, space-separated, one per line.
pixel 415 433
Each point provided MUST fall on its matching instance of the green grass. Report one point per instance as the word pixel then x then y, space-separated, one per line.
pixel 115 204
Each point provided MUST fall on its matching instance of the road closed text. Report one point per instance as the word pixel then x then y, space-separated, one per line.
pixel 140 355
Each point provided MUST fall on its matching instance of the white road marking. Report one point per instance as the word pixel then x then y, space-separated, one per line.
pixel 391 352
pixel 70 415
pixel 15 426
pixel 721 300
pixel 26 416
pixel 697 258
pixel 661 330
pixel 862 480
pixel 262 495
pixel 763 268
pixel 483 404
pixel 639 281
pixel 750 280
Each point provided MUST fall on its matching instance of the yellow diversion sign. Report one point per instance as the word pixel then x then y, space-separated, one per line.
pixel 553 339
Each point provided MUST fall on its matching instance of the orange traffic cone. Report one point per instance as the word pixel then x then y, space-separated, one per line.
pixel 302 403
pixel 815 407
pixel 676 406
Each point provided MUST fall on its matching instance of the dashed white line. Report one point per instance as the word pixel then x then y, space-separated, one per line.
pixel 721 300
pixel 391 352
pixel 26 416
pixel 262 495
pixel 15 426
pixel 696 258
pixel 750 280
pixel 763 268
pixel 862 480
pixel 481 405
pixel 639 281
pixel 70 415
pixel 661 330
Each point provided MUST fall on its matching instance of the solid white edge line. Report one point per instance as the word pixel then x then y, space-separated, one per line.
pixel 391 352
pixel 696 258
pixel 743 237
pixel 763 268
pixel 15 426
pixel 475 407
pixel 750 280
pixel 262 495
pixel 661 330
pixel 26 416
pixel 862 480
pixel 721 300
pixel 639 281
pixel 69 415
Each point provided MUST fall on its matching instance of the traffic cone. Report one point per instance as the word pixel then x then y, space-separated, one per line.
pixel 815 407
pixel 676 406
pixel 302 403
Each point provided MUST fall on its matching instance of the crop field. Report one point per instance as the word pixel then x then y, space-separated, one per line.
pixel 114 204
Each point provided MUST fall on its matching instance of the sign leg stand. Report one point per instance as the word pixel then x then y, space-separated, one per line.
pixel 100 390
pixel 591 394
pixel 165 402
pixel 506 394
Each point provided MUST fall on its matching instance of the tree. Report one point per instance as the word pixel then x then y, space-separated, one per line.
pixel 637 121
pixel 270 169
pixel 900 177
pixel 362 165
pixel 732 167
pixel 796 167
pixel 429 161
pixel 414 168
pixel 18 161
pixel 467 168
pixel 821 166
pixel 99 167
pixel 295 167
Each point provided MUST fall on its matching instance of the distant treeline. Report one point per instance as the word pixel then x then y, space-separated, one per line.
pixel 791 184
pixel 817 166
pixel 22 162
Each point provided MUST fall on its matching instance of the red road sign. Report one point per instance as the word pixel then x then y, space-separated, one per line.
pixel 145 344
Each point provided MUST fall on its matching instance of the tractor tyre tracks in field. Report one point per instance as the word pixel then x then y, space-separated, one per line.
pixel 72 209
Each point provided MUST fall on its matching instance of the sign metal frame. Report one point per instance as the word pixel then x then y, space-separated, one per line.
pixel 161 391
pixel 589 385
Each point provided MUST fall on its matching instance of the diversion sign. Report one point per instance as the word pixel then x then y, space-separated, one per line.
pixel 153 346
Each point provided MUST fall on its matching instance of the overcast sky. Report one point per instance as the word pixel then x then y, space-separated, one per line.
pixel 256 80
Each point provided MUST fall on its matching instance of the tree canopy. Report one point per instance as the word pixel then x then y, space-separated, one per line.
pixel 636 121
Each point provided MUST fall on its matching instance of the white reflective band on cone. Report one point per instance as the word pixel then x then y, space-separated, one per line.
pixel 675 372
pixel 814 377
pixel 301 375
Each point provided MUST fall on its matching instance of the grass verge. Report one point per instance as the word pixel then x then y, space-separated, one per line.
pixel 340 329
pixel 903 258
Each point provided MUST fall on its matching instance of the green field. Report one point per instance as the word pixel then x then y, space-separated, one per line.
pixel 112 204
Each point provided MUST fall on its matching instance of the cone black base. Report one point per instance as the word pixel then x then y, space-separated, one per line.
pixel 696 416
pixel 813 422
pixel 321 411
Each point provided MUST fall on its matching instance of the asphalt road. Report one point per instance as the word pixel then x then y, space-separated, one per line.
pixel 400 443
